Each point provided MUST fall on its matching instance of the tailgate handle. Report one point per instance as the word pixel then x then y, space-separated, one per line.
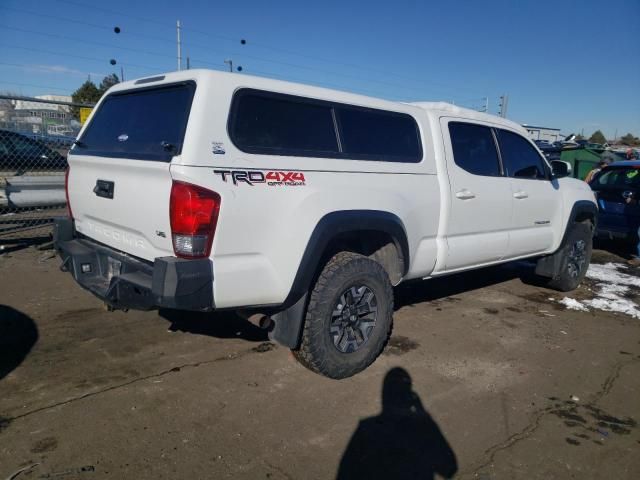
pixel 104 188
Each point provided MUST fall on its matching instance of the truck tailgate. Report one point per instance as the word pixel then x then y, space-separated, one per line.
pixel 134 218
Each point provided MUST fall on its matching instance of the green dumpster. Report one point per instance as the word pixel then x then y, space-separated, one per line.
pixel 582 160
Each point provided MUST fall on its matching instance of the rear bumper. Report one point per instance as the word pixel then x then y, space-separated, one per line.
pixel 125 282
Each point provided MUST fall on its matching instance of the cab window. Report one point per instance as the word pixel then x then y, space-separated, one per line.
pixel 519 157
pixel 474 149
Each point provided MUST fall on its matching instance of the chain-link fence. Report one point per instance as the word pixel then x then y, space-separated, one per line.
pixel 35 137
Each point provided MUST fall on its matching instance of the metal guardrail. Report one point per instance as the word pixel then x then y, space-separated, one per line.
pixel 32 191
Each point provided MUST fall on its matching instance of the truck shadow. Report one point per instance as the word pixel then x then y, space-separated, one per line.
pixel 18 335
pixel 403 441
pixel 419 291
pixel 217 324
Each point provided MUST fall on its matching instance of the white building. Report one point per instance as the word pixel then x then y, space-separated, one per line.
pixel 544 133
pixel 42 117
pixel 40 109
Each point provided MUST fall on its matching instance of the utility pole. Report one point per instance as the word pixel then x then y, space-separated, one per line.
pixel 179 45
pixel 486 104
pixel 502 105
pixel 188 63
pixel 230 63
pixel 121 73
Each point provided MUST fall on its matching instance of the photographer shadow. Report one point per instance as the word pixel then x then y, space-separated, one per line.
pixel 402 442
pixel 18 335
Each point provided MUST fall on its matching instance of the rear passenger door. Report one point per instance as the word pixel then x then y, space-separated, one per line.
pixel 536 198
pixel 481 198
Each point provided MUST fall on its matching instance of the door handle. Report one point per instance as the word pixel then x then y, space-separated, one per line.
pixel 520 195
pixel 465 194
pixel 104 188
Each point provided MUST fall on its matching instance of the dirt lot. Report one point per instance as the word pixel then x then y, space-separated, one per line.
pixel 506 384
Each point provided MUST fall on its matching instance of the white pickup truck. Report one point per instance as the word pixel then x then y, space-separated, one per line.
pixel 201 190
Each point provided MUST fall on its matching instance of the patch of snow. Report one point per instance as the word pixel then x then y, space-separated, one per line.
pixel 615 303
pixel 609 273
pixel 610 291
pixel 573 304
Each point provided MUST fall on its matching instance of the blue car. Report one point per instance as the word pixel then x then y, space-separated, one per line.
pixel 617 189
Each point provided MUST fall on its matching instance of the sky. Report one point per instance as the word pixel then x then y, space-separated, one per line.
pixel 573 65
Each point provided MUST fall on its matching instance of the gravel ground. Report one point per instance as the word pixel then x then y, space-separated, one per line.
pixel 486 376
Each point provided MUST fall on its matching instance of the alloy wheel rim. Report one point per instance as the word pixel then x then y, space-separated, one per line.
pixel 353 318
pixel 577 258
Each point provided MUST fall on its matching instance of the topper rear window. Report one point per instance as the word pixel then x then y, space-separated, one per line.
pixel 141 124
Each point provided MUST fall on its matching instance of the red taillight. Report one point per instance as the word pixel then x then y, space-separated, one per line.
pixel 66 191
pixel 193 212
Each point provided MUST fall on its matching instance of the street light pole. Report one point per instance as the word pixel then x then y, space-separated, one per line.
pixel 179 45
pixel 230 63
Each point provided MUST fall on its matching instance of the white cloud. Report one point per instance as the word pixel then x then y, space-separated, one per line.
pixel 61 69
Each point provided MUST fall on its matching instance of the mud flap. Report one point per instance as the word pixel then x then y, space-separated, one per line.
pixel 288 324
pixel 550 265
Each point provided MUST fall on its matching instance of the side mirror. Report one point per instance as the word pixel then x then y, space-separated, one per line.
pixel 560 169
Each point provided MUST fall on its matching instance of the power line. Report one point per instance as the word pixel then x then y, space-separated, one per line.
pixel 272 48
pixel 82 57
pixel 82 40
pixel 208 63
pixel 197 60
pixel 44 68
pixel 2 82
pixel 237 54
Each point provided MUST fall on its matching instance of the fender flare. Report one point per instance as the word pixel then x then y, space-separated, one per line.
pixel 289 319
pixel 339 222
pixel 580 207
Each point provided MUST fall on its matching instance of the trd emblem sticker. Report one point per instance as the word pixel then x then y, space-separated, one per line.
pixel 269 178
pixel 123 138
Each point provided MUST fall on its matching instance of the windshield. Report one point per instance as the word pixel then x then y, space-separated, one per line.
pixel 142 124
pixel 619 177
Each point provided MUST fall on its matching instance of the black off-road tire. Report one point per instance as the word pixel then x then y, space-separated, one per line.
pixel 575 256
pixel 318 351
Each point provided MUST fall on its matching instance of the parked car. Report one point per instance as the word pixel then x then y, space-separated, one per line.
pixel 617 189
pixel 20 154
pixel 550 151
pixel 302 207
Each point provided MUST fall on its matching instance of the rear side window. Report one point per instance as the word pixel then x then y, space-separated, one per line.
pixel 619 177
pixel 277 124
pixel 282 125
pixel 474 149
pixel 26 147
pixel 520 158
pixel 141 124
pixel 377 134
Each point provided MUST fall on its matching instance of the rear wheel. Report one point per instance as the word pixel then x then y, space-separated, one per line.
pixel 349 317
pixel 575 256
